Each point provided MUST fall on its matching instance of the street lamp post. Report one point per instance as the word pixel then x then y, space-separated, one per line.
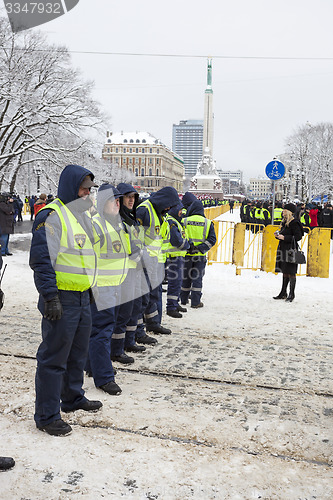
pixel 297 181
pixel 38 172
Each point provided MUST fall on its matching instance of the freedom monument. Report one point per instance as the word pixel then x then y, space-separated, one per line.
pixel 206 181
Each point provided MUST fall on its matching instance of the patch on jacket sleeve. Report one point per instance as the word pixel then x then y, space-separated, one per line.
pixel 47 226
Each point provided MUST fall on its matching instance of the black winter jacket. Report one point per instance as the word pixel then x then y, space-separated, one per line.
pixel 6 218
pixel 292 234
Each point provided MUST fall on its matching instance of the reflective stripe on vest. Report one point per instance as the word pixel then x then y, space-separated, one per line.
pixel 136 236
pixel 169 249
pixel 113 259
pixel 75 265
pixel 197 229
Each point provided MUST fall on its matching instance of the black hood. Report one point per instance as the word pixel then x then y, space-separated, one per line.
pixel 70 181
pixel 188 198
pixel 196 208
pixel 164 198
pixel 174 211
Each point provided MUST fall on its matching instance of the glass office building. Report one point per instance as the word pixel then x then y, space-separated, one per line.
pixel 187 138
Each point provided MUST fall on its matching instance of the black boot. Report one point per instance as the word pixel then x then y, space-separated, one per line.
pixel 291 295
pixel 283 293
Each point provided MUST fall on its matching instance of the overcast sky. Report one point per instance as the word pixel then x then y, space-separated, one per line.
pixel 258 102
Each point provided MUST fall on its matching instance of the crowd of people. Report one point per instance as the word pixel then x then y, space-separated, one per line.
pixel 310 215
pixel 35 203
pixel 99 272
pixel 293 221
pixel 11 207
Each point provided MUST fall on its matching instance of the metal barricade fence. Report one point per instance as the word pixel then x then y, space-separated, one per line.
pixel 222 250
pixel 247 248
pixel 254 246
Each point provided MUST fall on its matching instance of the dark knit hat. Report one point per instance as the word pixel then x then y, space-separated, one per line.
pixel 291 207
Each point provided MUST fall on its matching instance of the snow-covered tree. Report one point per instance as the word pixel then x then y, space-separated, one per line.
pixel 47 113
pixel 309 160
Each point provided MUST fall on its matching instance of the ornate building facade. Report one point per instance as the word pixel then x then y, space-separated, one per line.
pixel 152 163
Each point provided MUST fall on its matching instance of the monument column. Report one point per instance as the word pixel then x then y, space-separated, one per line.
pixel 208 129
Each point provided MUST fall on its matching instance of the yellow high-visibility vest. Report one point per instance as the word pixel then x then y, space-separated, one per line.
pixel 197 230
pixel 170 250
pixel 113 257
pixel 155 233
pixel 75 265
pixel 278 214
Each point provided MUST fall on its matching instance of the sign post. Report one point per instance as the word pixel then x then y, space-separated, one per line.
pixel 275 170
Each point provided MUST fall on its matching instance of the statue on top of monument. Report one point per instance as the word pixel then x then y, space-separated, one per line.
pixel 206 166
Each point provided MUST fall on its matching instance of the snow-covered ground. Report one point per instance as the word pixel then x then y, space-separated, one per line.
pixel 235 404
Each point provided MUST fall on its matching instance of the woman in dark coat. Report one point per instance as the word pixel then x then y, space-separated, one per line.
pixel 290 232
pixel 7 211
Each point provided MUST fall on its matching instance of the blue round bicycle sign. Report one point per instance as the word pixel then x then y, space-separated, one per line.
pixel 275 170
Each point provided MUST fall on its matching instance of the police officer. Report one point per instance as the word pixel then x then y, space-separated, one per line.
pixel 278 214
pixel 265 214
pixel 135 331
pixel 151 214
pixel 305 219
pixel 63 259
pixel 188 199
pixel 112 270
pixel 131 289
pixel 200 231
pixel 176 248
pixel 326 216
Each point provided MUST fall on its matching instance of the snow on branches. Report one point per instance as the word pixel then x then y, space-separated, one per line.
pixel 47 113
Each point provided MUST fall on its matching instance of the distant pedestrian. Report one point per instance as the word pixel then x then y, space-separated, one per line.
pixel 289 233
pixel 31 206
pixel 7 211
pixel 313 216
pixel 40 203
pixel 326 217
pixel 20 208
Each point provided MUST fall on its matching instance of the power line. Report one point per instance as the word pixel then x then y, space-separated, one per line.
pixel 137 54
pixel 188 56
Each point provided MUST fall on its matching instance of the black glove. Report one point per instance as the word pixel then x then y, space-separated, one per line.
pixel 202 248
pixel 53 309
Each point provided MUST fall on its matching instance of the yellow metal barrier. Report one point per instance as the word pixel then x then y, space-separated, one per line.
pixel 253 246
pixel 269 248
pixel 222 250
pixel 319 252
pixel 213 212
pixel 238 245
